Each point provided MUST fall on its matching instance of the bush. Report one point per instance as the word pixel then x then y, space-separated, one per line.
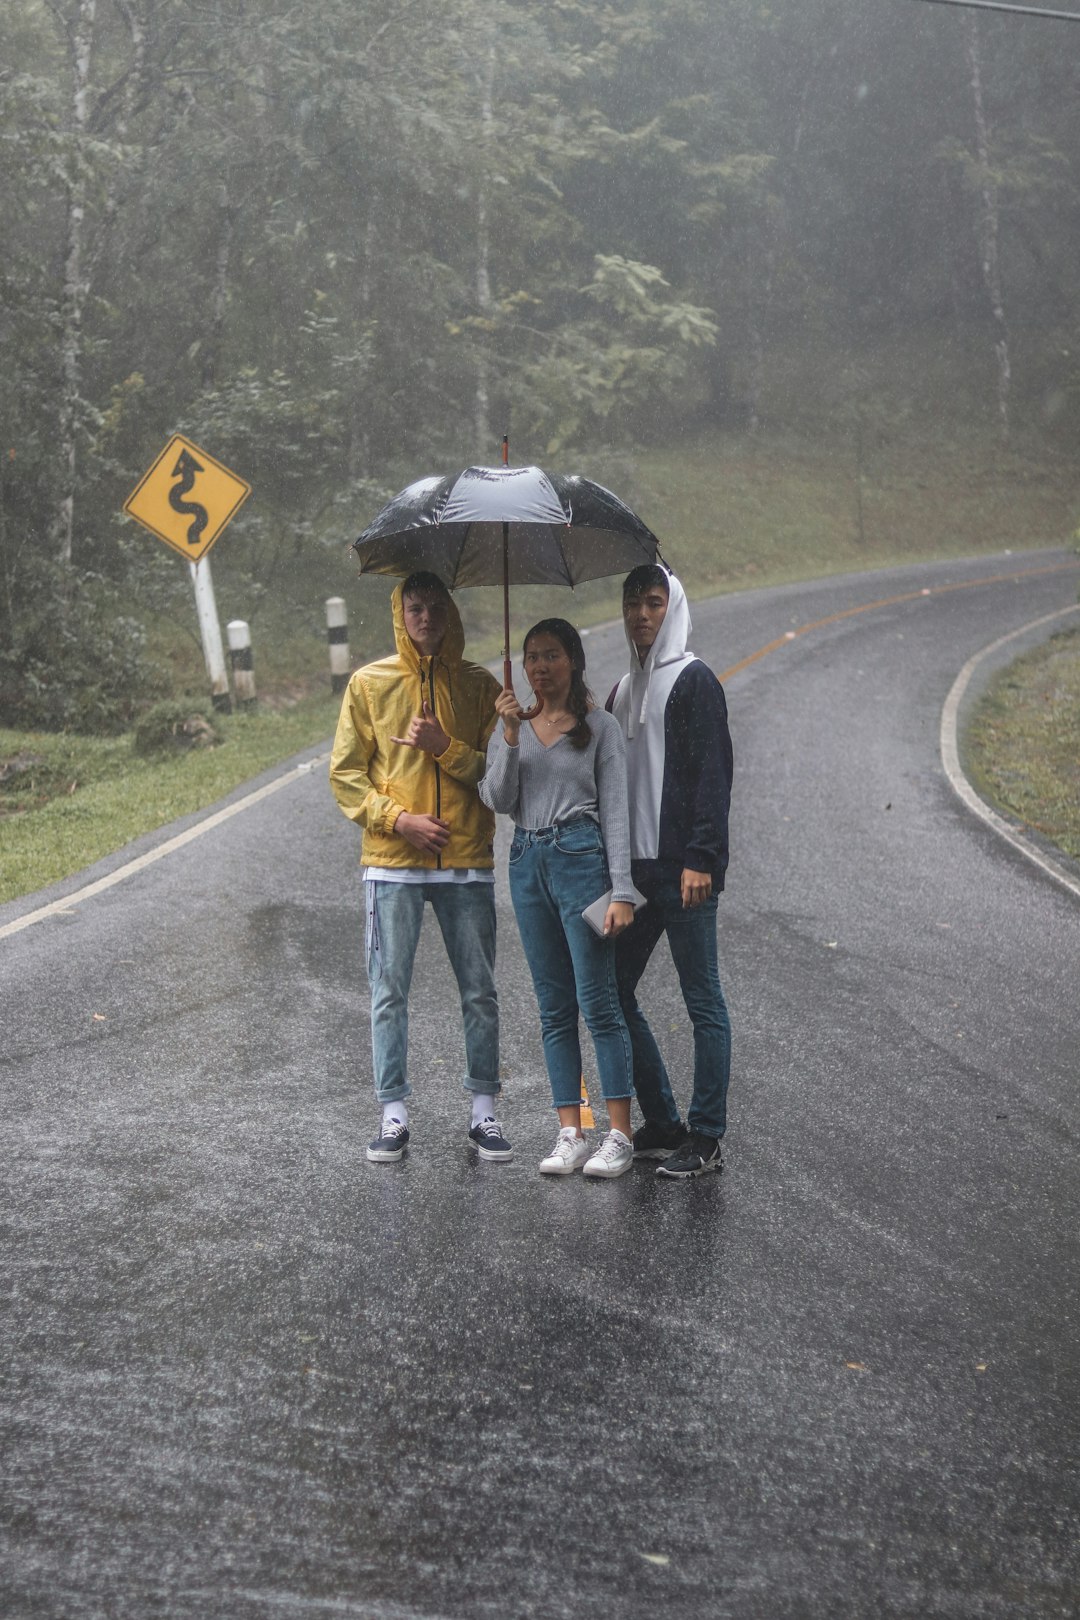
pixel 72 660
pixel 175 727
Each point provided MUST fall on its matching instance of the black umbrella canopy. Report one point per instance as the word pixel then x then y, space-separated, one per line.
pixel 506 526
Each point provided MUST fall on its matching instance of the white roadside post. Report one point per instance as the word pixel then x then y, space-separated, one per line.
pixel 337 635
pixel 243 668
pixel 210 630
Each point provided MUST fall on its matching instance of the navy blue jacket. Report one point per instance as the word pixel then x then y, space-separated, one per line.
pixel 697 771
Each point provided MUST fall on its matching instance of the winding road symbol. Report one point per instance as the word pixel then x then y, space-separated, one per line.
pixel 186 469
pixel 187 498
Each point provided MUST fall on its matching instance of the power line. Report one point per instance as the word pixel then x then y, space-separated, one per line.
pixel 1022 11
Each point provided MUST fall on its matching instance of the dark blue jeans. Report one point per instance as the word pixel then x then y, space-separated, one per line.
pixel 691 937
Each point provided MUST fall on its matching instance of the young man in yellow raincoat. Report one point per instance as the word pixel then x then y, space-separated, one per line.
pixel 410 748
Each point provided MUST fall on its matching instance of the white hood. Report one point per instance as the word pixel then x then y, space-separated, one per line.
pixel 639 707
pixel 667 651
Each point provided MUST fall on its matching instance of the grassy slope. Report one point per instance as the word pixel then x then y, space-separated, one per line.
pixel 729 513
pixel 79 798
pixel 1022 748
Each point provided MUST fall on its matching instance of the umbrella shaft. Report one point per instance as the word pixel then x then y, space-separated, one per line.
pixel 506 602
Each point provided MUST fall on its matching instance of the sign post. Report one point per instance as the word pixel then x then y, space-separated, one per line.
pixel 187 498
pixel 210 631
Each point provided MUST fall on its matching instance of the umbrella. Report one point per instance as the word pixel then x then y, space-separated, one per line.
pixel 506 525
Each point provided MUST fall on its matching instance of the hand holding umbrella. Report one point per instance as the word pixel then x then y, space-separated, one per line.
pixel 511 714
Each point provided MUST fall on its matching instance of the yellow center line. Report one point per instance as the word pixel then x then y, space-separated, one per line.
pixel 890 601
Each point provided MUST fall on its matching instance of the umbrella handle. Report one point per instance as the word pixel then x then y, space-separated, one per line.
pixel 508 683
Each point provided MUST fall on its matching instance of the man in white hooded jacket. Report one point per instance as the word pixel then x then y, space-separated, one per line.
pixel 673 715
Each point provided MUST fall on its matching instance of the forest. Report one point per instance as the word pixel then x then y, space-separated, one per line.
pixel 343 244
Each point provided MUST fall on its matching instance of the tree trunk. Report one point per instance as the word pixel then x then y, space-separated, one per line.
pixel 761 259
pixel 860 460
pixel 123 174
pixel 219 298
pixel 359 437
pixel 73 296
pixel 988 229
pixel 482 418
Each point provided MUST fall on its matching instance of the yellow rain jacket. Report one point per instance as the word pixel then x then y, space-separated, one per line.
pixel 375 779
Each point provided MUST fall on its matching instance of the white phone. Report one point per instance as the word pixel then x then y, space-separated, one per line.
pixel 594 915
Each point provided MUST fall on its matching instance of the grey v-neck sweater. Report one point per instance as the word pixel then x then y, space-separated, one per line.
pixel 539 786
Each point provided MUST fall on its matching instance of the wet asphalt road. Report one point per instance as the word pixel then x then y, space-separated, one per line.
pixel 248 1374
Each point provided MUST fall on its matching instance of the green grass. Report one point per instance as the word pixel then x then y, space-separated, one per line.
pixel 75 799
pixel 730 513
pixel 1022 747
pixel 740 513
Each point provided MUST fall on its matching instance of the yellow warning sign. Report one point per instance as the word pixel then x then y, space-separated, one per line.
pixel 187 498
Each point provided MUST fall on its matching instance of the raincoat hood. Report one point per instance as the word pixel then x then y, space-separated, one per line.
pixel 669 649
pixel 453 642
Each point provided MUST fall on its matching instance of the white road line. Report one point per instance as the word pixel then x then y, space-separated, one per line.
pixel 950 756
pixel 57 908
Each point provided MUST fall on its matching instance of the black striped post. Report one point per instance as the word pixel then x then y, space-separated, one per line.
pixel 243 667
pixel 337 636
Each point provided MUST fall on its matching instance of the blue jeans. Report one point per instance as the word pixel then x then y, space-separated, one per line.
pixel 554 874
pixel 466 916
pixel 692 938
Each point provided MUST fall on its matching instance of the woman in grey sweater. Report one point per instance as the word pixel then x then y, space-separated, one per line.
pixel 562 776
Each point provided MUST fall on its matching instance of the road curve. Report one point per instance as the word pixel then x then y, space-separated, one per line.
pixel 248 1374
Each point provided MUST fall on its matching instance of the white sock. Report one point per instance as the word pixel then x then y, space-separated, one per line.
pixel 395 1111
pixel 483 1107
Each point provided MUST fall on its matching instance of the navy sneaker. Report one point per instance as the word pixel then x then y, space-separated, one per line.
pixel 656 1141
pixel 390 1144
pixel 700 1155
pixel 489 1140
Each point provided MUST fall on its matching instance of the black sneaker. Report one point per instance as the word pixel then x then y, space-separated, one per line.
pixel 390 1144
pixel 701 1154
pixel 655 1141
pixel 489 1140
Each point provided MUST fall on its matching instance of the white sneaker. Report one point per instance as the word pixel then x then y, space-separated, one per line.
pixel 569 1152
pixel 613 1157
